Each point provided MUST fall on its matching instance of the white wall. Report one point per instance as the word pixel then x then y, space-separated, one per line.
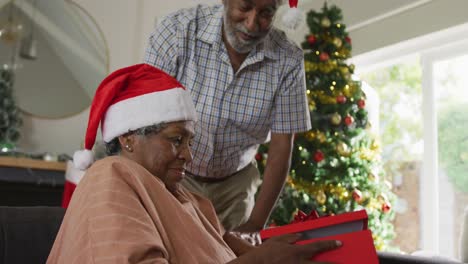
pixel 127 23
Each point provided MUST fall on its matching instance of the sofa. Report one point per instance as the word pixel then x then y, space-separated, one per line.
pixel 27 235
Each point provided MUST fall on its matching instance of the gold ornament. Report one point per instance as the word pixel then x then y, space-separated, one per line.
pixel 324 67
pixel 344 70
pixel 335 119
pixel 321 137
pixel 382 198
pixel 342 149
pixel 312 105
pixel 325 22
pixel 313 66
pixel 311 135
pixel 321 197
pixel 337 42
pixel 373 177
pixel 375 146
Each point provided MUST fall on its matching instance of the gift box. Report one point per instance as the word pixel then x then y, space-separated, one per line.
pixel 350 228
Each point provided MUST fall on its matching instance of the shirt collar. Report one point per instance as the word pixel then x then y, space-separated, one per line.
pixel 211 33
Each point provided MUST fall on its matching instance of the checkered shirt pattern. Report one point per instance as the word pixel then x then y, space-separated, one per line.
pixel 237 110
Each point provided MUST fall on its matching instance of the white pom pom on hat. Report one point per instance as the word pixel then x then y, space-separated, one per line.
pixel 131 98
pixel 293 17
pixel 82 159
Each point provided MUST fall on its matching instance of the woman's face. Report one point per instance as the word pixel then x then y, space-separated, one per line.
pixel 164 154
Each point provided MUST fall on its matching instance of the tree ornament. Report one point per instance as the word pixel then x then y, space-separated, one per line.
pixel 386 207
pixel 337 42
pixel 324 56
pixel 311 135
pixel 344 70
pixel 373 177
pixel 311 39
pixel 348 40
pixel 321 137
pixel 259 157
pixel 318 156
pixel 321 197
pixel 361 103
pixel 325 22
pixel 335 119
pixel 342 149
pixel 341 99
pixel 357 195
pixel 382 198
pixel 348 120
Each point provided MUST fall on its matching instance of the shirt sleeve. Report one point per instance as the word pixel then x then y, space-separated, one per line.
pixel 291 114
pixel 162 47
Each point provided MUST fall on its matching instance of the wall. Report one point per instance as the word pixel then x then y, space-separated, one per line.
pixel 127 24
pixel 118 20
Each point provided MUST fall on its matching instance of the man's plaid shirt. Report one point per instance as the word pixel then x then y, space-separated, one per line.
pixel 237 110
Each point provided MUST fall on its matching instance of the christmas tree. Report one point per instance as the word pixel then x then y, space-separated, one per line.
pixel 10 120
pixel 336 166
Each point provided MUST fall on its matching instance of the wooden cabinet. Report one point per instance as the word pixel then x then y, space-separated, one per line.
pixel 30 182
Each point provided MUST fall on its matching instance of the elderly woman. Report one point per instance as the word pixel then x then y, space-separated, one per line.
pixel 130 207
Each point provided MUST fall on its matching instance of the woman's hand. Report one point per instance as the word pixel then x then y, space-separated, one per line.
pixel 280 250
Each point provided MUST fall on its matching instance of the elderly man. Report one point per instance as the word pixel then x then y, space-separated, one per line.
pixel 247 81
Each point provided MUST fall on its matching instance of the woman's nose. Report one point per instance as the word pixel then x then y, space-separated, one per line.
pixel 186 154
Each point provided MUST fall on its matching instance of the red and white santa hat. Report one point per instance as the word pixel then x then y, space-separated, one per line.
pixel 294 17
pixel 131 98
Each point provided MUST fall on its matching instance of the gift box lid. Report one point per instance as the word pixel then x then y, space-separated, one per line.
pixel 322 226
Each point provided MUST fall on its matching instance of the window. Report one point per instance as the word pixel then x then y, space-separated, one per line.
pixel 423 93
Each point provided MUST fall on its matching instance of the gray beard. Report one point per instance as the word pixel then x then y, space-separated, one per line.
pixel 237 44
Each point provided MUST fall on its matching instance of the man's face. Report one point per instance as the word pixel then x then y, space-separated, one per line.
pixel 247 22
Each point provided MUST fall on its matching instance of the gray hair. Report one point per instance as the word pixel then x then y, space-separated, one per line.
pixel 113 147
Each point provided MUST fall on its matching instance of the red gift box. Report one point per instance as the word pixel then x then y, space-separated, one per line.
pixel 349 228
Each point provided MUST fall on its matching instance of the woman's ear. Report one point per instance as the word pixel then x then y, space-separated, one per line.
pixel 127 142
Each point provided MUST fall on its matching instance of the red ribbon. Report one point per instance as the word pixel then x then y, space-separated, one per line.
pixel 293 3
pixel 301 216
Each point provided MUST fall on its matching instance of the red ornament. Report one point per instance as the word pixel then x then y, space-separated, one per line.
pixel 258 157
pixel 293 3
pixel 386 207
pixel 357 195
pixel 361 103
pixel 341 99
pixel 311 39
pixel 324 56
pixel 319 156
pixel 348 120
pixel 348 39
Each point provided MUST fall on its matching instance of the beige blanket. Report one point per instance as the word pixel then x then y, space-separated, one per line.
pixel 120 213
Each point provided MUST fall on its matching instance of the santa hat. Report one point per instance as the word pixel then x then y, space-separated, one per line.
pixel 293 17
pixel 131 98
